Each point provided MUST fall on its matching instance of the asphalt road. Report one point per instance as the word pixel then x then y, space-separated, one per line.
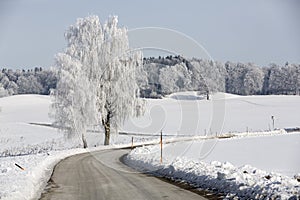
pixel 101 175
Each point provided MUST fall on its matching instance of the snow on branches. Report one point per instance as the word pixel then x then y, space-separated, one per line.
pixel 97 80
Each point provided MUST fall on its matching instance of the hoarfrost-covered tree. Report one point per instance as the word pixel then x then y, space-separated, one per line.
pixel 10 86
pixel 167 80
pixel 244 79
pixel 116 86
pixel 174 78
pixel 208 75
pixel 3 92
pixel 284 80
pixel 105 76
pixel 72 101
pixel 29 85
pixel 253 80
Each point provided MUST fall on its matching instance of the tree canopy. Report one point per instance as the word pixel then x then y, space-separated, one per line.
pixel 97 78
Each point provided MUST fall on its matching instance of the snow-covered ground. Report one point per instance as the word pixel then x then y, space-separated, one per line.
pixel 38 148
pixel 16 183
pixel 244 182
pixel 185 113
pixel 250 168
pixel 24 128
pixel 250 164
pixel 30 146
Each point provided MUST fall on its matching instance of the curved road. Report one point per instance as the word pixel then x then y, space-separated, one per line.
pixel 100 175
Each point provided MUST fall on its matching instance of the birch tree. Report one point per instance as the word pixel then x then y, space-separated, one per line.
pixel 72 102
pixel 116 86
pixel 102 71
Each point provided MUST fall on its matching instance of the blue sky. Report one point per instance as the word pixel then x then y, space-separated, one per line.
pixel 259 31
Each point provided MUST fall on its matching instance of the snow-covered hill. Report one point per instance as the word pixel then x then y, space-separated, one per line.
pixel 17 134
pixel 183 113
pixel 25 127
pixel 186 113
pixel 249 165
pixel 26 139
pixel 180 114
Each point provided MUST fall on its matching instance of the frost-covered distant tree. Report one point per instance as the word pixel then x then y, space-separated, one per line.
pixel 253 80
pixel 9 86
pixel 284 80
pixel 174 78
pixel 167 80
pixel 153 88
pixel 291 78
pixel 104 61
pixel 217 77
pixel 198 80
pixel 235 77
pixel 266 80
pixel 208 75
pixel 47 78
pixel 11 75
pixel 12 88
pixel 4 80
pixel 296 77
pixel 281 80
pixel 244 79
pixel 29 85
pixel 3 92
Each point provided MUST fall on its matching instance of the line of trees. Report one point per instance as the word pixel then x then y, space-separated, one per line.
pixel 173 74
pixel 165 75
pixel 33 81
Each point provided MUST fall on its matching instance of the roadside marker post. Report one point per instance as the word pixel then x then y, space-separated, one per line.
pixel 19 166
pixel 131 142
pixel 161 146
pixel 273 122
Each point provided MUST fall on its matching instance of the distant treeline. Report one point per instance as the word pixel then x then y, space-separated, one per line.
pixel 170 74
pixel 33 81
pixel 164 75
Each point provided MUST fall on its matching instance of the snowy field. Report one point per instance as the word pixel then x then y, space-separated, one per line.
pixel 185 113
pixel 38 148
pixel 32 147
pixel 255 167
pixel 257 162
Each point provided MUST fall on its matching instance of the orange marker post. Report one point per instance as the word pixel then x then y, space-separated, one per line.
pixel 161 146
pixel 19 166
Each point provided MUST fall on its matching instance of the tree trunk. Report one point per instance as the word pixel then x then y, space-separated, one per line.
pixel 84 141
pixel 107 136
pixel 106 124
pixel 207 95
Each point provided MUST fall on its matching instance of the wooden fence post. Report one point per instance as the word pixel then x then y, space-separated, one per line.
pixel 161 146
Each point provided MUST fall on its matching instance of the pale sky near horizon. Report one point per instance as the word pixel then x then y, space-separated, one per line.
pixel 258 31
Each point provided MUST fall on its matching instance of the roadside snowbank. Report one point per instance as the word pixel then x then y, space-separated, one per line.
pixel 29 183
pixel 243 182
